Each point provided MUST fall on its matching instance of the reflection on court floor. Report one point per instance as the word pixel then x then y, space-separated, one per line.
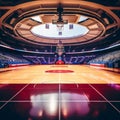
pixel 59 102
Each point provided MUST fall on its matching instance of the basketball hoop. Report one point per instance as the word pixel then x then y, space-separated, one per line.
pixel 60 27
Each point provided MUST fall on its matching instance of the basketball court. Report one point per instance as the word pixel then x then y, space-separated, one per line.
pixel 59 92
pixel 58 74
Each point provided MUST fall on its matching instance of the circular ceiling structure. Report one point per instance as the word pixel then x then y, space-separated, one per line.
pixel 32 22
pixel 52 31
pixel 76 31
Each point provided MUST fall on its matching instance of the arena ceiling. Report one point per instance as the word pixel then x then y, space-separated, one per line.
pixel 34 22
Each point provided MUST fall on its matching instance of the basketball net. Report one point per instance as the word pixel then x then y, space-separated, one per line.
pixel 60 27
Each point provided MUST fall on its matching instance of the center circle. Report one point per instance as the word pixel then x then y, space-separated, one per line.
pixel 50 30
pixel 59 71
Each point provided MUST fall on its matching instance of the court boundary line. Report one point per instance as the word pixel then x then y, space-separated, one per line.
pixel 104 98
pixel 8 101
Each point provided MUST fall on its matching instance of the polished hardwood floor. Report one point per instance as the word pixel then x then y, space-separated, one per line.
pixel 58 74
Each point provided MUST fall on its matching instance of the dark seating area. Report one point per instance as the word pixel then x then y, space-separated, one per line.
pixel 111 59
pixel 10 58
